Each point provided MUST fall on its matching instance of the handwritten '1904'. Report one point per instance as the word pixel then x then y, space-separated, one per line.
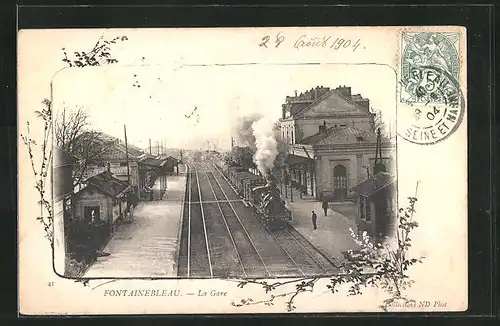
pixel 313 42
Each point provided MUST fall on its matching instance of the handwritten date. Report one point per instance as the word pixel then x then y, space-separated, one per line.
pixel 277 41
pixel 305 41
pixel 326 42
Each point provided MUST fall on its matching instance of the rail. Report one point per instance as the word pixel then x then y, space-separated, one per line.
pixel 307 251
pixel 189 221
pixel 295 240
pixel 320 252
pixel 227 226
pixel 241 223
pixel 203 220
pixel 287 253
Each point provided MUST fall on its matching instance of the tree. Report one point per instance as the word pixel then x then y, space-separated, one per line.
pixel 72 134
pixel 243 156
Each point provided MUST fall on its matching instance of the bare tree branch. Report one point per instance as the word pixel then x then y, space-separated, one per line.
pixel 73 134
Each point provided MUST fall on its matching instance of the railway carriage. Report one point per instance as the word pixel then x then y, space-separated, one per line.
pixel 250 183
pixel 263 195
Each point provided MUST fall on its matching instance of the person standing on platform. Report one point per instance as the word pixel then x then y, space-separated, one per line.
pixel 325 207
pixel 314 219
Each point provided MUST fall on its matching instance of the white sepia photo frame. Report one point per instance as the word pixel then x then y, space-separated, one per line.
pixel 308 101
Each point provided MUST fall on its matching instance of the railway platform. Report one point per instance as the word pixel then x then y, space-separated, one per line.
pixel 332 235
pixel 147 247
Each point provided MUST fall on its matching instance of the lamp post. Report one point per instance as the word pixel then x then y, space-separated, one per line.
pixel 285 177
pixel 367 170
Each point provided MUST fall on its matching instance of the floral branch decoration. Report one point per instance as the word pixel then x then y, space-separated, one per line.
pixel 99 55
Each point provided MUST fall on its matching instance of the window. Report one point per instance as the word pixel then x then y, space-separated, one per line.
pixel 123 164
pixel 362 205
pixel 91 214
pixel 67 207
pixel 368 211
pixel 339 173
pixel 340 181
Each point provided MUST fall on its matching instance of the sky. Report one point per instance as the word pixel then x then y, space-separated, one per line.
pixel 182 69
pixel 153 100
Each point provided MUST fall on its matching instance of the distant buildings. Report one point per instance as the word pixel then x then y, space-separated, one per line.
pixel 87 209
pixel 332 141
pixel 115 159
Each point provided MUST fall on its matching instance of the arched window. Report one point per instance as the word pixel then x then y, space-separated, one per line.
pixel 340 181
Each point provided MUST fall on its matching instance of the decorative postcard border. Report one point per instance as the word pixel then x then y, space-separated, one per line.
pixel 375 264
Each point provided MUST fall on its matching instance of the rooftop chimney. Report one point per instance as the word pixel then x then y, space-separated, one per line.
pixel 322 128
pixel 344 91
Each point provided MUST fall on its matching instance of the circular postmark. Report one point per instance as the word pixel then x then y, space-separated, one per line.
pixel 438 109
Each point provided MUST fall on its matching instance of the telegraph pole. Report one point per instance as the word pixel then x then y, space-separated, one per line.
pixel 126 153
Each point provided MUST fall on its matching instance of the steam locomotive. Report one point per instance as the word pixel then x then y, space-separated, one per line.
pixel 262 194
pixel 269 205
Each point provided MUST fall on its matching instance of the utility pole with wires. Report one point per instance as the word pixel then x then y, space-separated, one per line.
pixel 126 153
pixel 129 208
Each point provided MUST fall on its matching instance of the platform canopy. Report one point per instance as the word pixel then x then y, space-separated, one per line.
pixel 298 160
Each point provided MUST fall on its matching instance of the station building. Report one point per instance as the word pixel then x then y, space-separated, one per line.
pixel 332 142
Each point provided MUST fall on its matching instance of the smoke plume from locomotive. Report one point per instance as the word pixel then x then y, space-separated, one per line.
pixel 242 130
pixel 266 144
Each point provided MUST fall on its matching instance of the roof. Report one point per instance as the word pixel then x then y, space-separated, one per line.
pixel 330 103
pixel 341 135
pixel 374 184
pixel 62 157
pixel 152 161
pixel 107 183
pixel 134 150
pixel 247 175
pixel 117 149
pixel 172 160
pixel 295 159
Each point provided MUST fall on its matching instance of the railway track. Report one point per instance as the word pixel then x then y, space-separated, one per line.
pixel 306 258
pixel 227 261
pixel 251 261
pixel 194 255
pixel 222 238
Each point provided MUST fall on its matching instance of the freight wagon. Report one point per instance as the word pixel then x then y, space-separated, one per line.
pixel 263 194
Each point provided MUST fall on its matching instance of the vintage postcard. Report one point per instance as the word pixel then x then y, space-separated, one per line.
pixel 242 170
